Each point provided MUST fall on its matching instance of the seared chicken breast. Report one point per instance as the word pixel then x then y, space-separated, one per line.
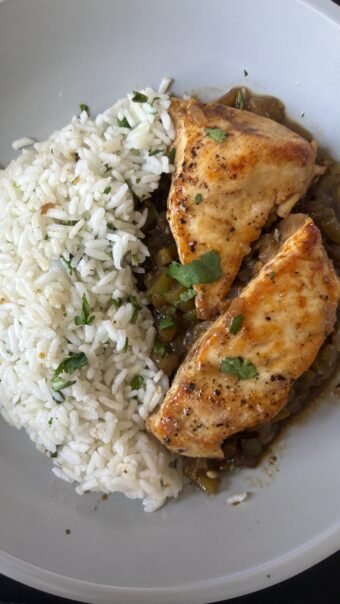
pixel 233 169
pixel 239 373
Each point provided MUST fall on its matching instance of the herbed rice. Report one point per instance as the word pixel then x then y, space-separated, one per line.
pixel 69 228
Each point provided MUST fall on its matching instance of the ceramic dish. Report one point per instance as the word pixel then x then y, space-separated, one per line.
pixel 53 55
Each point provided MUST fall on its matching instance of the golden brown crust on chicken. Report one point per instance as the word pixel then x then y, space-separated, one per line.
pixel 260 168
pixel 288 310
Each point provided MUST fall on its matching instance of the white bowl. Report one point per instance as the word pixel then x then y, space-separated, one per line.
pixel 55 54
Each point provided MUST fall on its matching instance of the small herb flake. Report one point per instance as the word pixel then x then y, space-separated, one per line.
pixel 84 107
pixel 68 263
pixel 46 237
pixel 159 348
pixel 138 179
pixel 272 276
pixel 84 318
pixel 198 198
pixel 241 368
pixel 137 382
pixel 236 324
pixel 155 152
pixel 240 100
pixel 216 134
pixel 123 123
pixel 72 363
pixel 107 190
pixel 205 269
pixel 50 421
pixel 58 383
pixel 67 222
pixel 68 531
pixel 166 322
pixel 245 73
pixel 171 154
pixel 139 97
pixel 54 455
pixel 111 226
pixel 117 302
pixel 126 345
pixel 185 296
pixel 156 98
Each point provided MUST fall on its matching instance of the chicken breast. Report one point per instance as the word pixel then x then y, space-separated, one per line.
pixel 238 375
pixel 232 170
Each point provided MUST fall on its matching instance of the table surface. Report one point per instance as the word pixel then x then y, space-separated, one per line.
pixel 318 585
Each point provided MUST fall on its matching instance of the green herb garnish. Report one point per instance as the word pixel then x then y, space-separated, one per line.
pixel 236 324
pixel 111 226
pixel 159 348
pixel 245 72
pixel 205 269
pixel 198 198
pixel 117 302
pixel 155 151
pixel 215 133
pixel 166 322
pixel 272 276
pixel 68 531
pixel 139 97
pixel 54 455
pixel 72 363
pixel 84 318
pixel 126 345
pixel 123 123
pixel 107 190
pixel 138 179
pixel 137 382
pixel 241 368
pixel 46 237
pixel 67 222
pixel 240 101
pixel 137 307
pixel 185 296
pixel 171 154
pixel 58 383
pixel 50 421
pixel 68 264
pixel 84 107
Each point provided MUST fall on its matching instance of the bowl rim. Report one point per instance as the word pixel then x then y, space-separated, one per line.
pixel 260 577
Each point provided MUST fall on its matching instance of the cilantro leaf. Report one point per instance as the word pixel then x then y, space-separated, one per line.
pixel 84 107
pixel 126 345
pixel 107 190
pixel 155 152
pixel 72 363
pixel 137 382
pixel 241 368
pixel 216 133
pixel 185 296
pixel 117 302
pixel 236 324
pixel 123 123
pixel 58 383
pixel 159 348
pixel 166 322
pixel 139 97
pixel 84 318
pixel 171 154
pixel 205 269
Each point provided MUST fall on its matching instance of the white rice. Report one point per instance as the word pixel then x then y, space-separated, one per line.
pixel 69 228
